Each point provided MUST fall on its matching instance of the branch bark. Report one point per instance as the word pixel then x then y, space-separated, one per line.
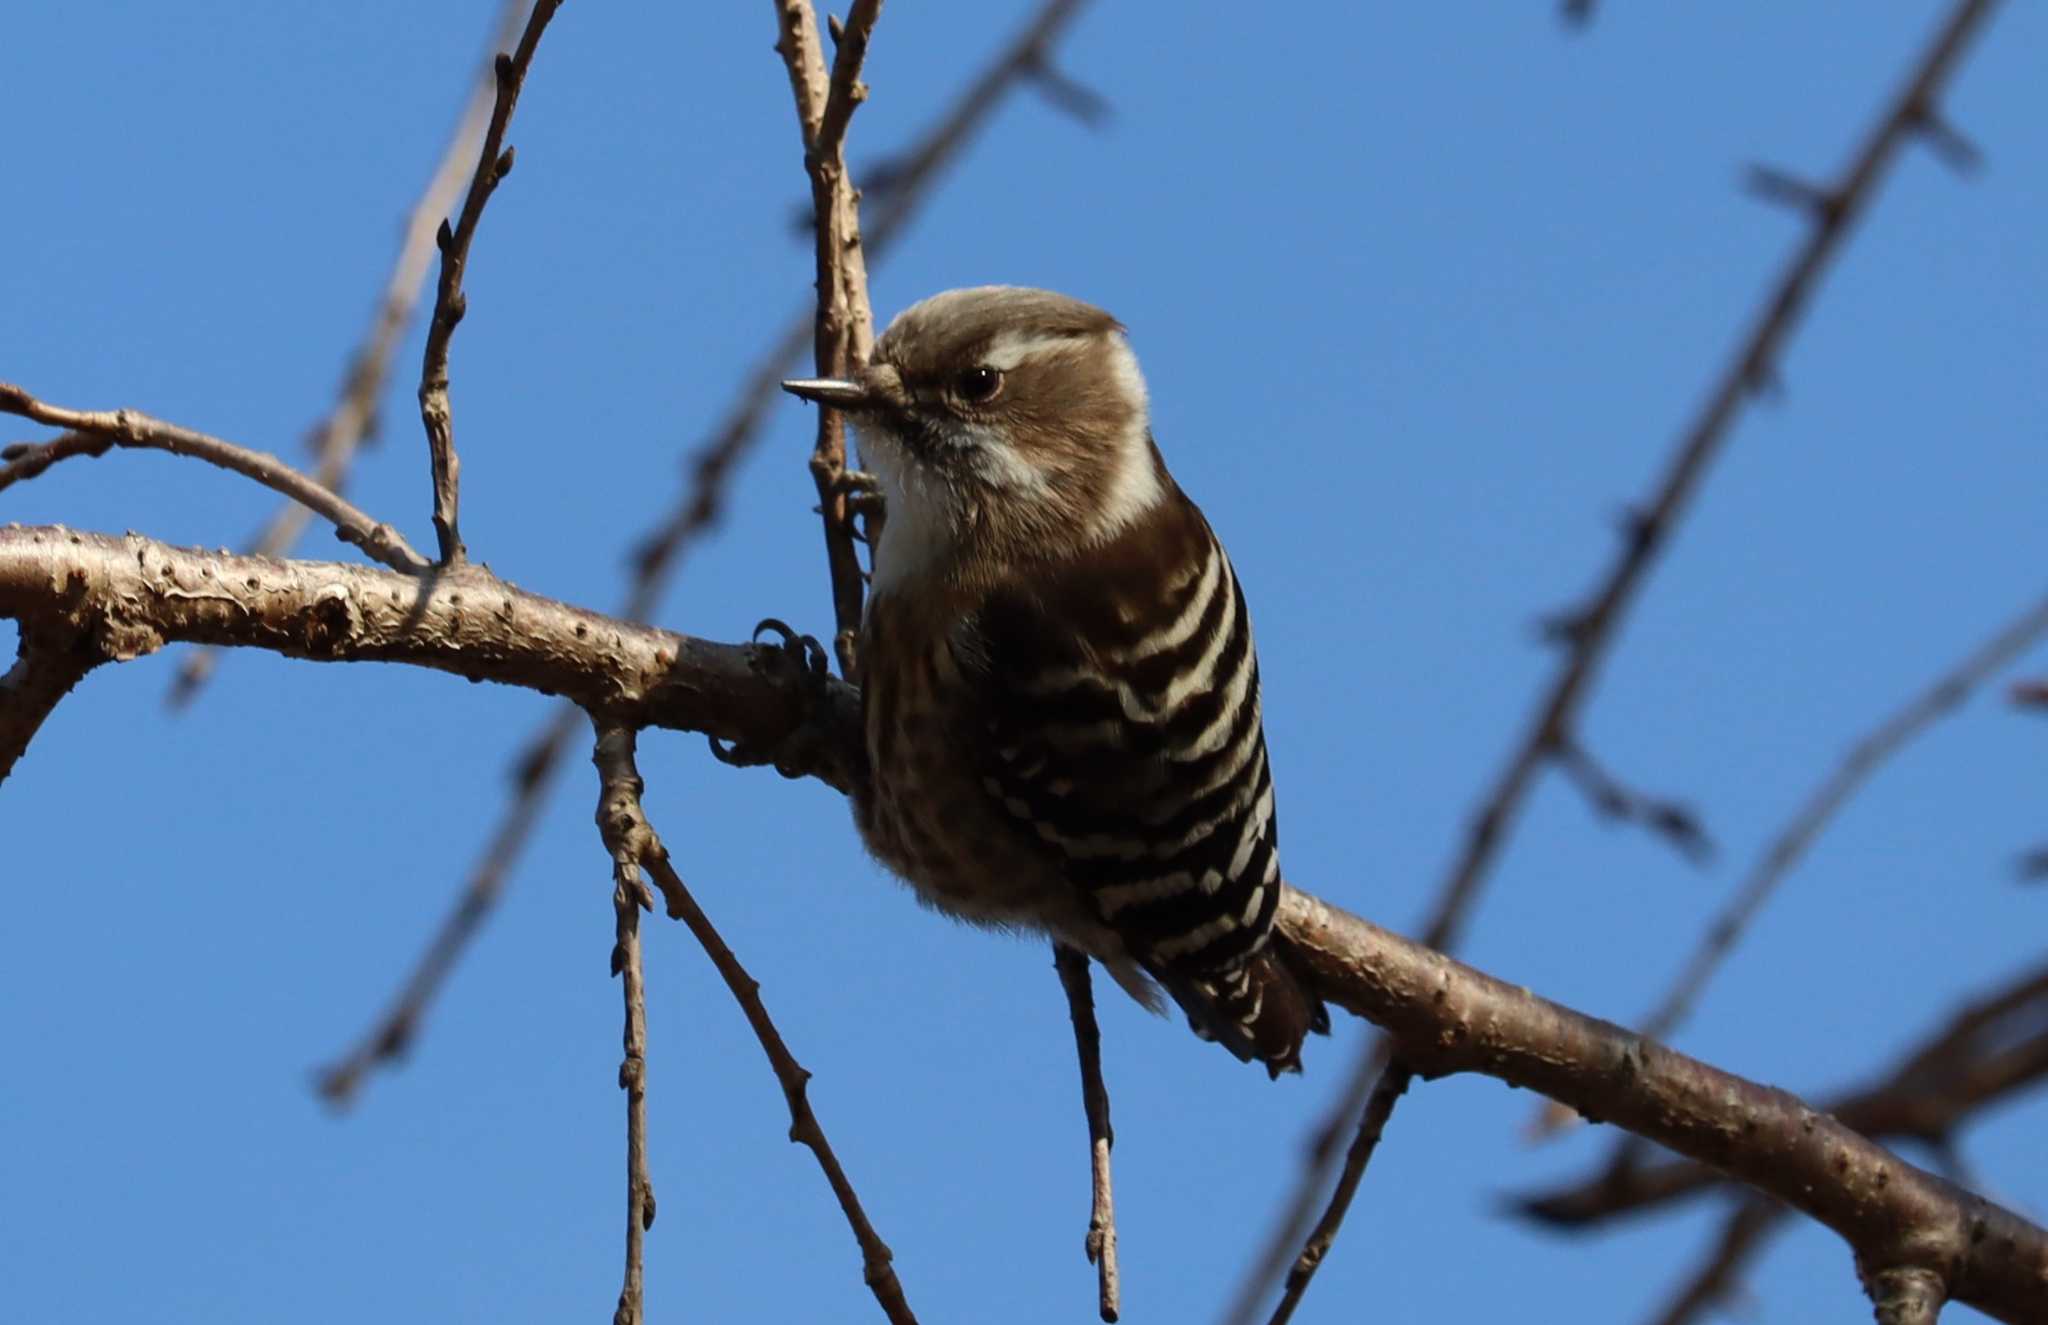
pixel 1442 1016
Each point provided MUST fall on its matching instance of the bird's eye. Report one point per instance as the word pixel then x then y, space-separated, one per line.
pixel 978 385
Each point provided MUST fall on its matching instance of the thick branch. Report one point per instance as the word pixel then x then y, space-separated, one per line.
pixel 1445 1017
pixel 1983 1054
pixel 465 621
pixel 1442 1016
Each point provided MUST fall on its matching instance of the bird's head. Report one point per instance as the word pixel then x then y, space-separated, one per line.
pixel 1004 424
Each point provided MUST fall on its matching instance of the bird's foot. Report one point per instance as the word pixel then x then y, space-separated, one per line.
pixel 802 663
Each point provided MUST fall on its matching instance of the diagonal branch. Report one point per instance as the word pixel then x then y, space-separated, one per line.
pixel 393 1032
pixel 1588 632
pixel 1986 1052
pixel 1939 699
pixel 1442 1016
pixel 93 433
pixel 628 825
pixel 1742 1235
pixel 352 422
pixel 1379 1107
pixel 494 162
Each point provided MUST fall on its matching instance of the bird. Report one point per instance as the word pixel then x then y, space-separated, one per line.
pixel 1060 695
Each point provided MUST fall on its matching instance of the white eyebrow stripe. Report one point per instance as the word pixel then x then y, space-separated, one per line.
pixel 1007 349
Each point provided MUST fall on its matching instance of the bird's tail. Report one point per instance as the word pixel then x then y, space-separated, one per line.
pixel 1262 1007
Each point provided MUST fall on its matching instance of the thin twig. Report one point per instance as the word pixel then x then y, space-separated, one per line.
pixel 494 162
pixel 1379 1108
pixel 1614 799
pixel 352 423
pixel 393 1032
pixel 1591 630
pixel 129 429
pixel 876 1259
pixel 1587 633
pixel 1072 966
pixel 628 838
pixel 1939 699
pixel 659 554
pixel 48 662
pixel 1717 1278
pixel 844 332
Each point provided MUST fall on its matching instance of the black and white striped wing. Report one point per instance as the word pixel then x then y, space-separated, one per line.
pixel 1122 705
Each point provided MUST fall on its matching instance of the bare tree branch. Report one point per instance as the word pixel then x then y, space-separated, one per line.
pixel 1715 1281
pixel 1666 819
pixel 1789 846
pixel 629 840
pixel 659 553
pixel 1986 1052
pixel 450 303
pixel 630 826
pixel 94 432
pixel 392 1034
pixel 845 332
pixel 337 439
pixel 1379 1107
pixel 1587 632
pixel 1443 1016
pixel 1072 966
pixel 465 621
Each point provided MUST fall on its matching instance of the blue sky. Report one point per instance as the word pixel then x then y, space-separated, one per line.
pixel 1423 294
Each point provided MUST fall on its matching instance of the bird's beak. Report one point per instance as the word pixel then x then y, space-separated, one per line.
pixel 834 391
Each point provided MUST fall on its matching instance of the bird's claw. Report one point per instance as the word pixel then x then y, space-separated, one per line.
pixel 816 662
pixel 814 671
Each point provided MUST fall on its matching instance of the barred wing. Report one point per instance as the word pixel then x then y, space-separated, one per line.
pixel 1122 711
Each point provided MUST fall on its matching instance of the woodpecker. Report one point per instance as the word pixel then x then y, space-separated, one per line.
pixel 1058 684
